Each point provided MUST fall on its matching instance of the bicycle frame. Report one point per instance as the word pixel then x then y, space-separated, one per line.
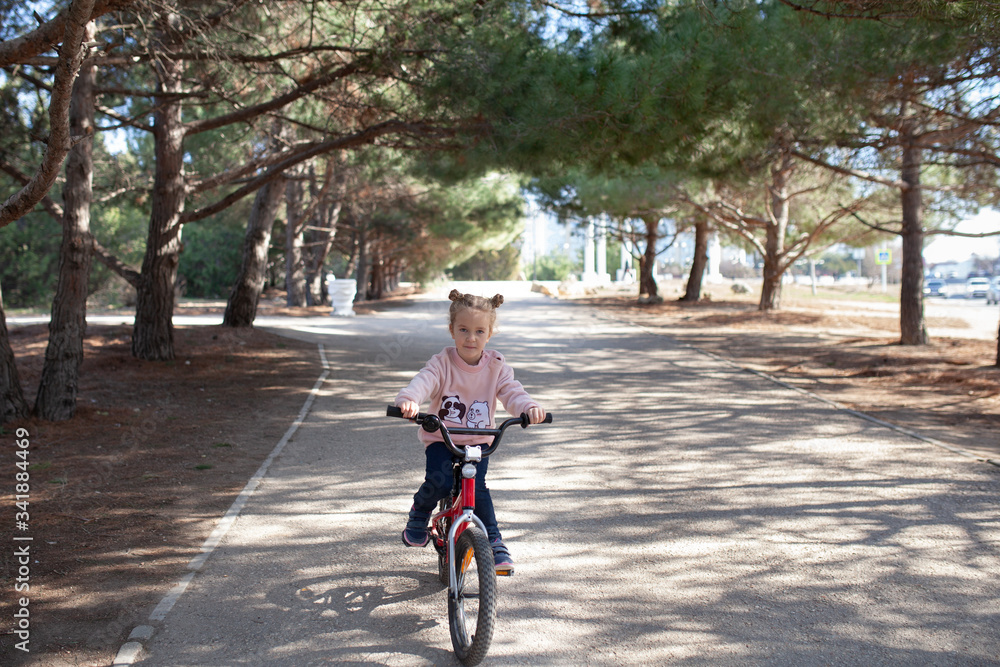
pixel 461 513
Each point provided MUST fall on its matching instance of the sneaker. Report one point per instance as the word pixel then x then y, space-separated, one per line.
pixel 501 558
pixel 415 534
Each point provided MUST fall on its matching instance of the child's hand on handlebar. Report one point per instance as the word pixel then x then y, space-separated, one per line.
pixel 409 408
pixel 536 415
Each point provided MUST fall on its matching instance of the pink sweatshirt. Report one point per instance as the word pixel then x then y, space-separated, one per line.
pixel 464 395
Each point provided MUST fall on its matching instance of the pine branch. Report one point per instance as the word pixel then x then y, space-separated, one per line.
pixel 857 173
pixel 367 136
pixel 71 54
pixel 52 32
pixel 249 113
pixel 130 275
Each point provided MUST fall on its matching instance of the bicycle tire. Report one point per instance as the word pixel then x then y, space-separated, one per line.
pixel 477 587
pixel 442 569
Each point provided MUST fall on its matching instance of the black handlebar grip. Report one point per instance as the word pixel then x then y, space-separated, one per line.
pixel 394 411
pixel 525 421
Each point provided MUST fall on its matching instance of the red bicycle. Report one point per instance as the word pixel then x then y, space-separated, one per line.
pixel 465 558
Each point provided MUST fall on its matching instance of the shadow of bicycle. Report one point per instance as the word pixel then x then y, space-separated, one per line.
pixel 368 617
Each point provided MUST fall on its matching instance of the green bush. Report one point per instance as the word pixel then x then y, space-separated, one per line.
pixel 556 265
pixel 29 262
pixel 490 265
pixel 211 259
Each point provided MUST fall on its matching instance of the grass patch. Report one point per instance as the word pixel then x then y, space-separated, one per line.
pixel 843 293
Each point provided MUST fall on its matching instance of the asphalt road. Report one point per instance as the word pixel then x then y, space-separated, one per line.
pixel 679 511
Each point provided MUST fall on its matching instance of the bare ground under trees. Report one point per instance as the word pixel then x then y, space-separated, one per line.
pixel 124 494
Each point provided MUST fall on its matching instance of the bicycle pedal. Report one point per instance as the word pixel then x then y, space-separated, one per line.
pixel 505 573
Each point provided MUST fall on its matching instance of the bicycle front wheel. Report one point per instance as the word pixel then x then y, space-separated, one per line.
pixel 471 614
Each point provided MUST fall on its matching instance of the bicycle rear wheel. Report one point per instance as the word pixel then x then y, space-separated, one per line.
pixel 472 613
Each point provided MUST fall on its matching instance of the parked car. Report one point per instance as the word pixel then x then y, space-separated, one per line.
pixel 993 293
pixel 976 288
pixel 955 287
pixel 934 287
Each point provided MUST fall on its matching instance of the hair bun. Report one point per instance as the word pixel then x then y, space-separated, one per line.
pixel 497 300
pixel 455 295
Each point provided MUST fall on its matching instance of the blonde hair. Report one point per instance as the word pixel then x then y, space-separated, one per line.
pixel 473 302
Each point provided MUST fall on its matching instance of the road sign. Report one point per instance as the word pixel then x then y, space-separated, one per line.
pixel 884 257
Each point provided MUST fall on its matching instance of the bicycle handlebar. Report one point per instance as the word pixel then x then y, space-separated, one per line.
pixel 432 423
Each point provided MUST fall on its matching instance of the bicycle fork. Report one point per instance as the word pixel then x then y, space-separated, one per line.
pixel 467 516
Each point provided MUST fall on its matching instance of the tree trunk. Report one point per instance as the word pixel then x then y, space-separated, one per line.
pixel 376 265
pixel 693 290
pixel 352 260
pixel 912 328
pixel 774 245
pixel 361 270
pixel 12 404
pixel 648 290
pixel 375 282
pixel 327 218
pixel 242 307
pixel 295 280
pixel 320 250
pixel 316 257
pixel 153 333
pixel 57 390
pixel 770 293
pixel 393 273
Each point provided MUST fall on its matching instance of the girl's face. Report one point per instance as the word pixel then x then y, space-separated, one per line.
pixel 471 331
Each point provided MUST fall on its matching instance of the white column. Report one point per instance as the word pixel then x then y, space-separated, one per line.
pixel 588 253
pixel 714 259
pixel 602 252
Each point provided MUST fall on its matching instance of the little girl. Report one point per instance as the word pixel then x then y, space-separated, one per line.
pixel 463 384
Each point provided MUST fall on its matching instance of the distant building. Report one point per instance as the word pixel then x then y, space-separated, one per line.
pixel 951 269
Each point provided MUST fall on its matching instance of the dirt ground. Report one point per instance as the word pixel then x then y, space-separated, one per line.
pixel 123 495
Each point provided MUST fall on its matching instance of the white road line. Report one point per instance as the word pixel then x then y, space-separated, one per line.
pixel 132 650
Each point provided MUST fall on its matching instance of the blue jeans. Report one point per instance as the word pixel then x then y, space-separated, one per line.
pixel 438 481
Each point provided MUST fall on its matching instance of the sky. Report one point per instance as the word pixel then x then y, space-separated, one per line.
pixel 957 248
pixel 545 234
